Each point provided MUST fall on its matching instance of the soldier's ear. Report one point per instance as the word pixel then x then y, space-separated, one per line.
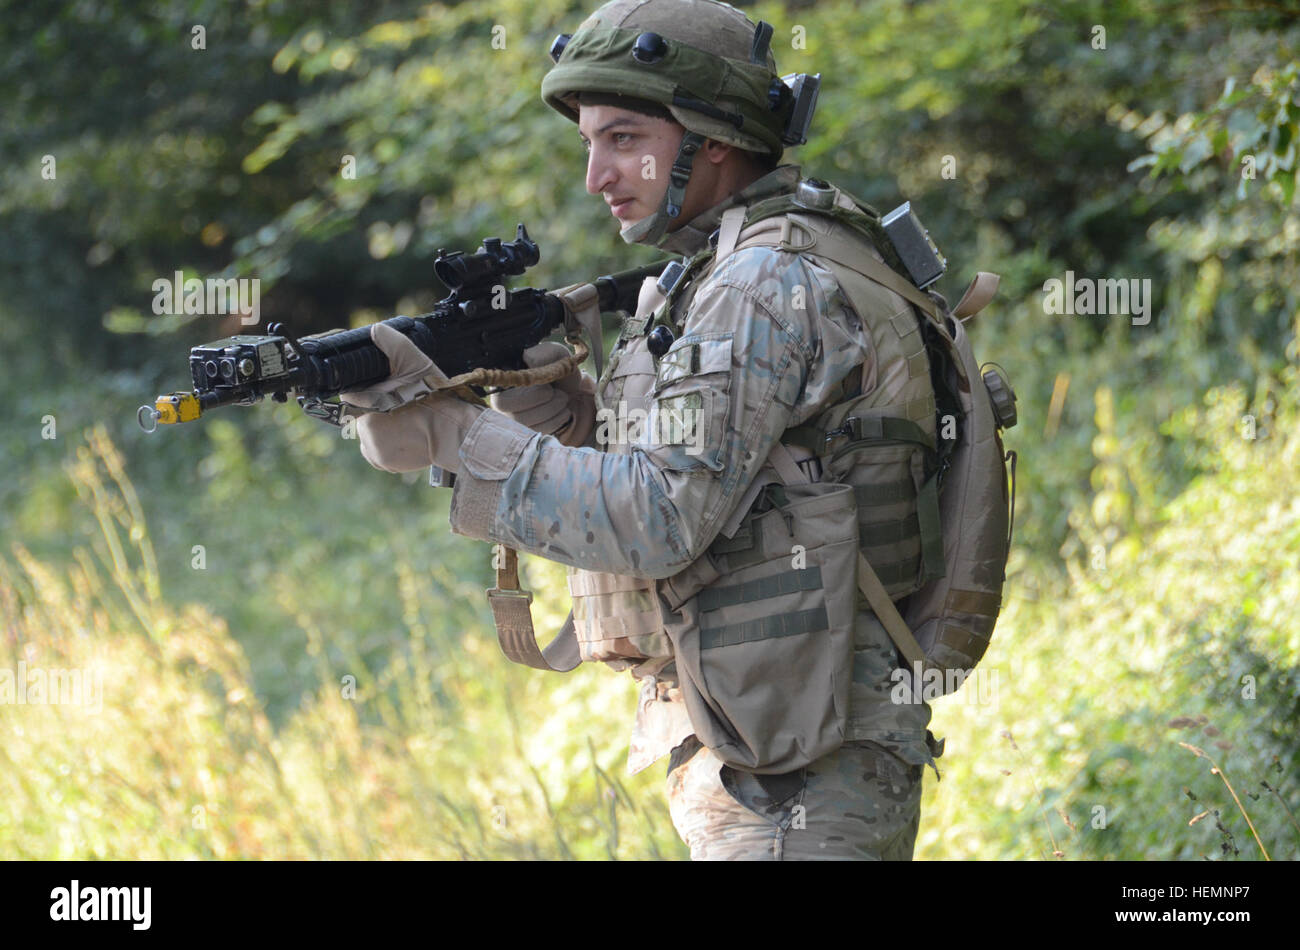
pixel 717 152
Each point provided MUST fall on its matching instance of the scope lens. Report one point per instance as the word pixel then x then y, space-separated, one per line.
pixel 227 369
pixel 210 367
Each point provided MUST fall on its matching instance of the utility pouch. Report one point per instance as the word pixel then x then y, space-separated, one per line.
pixel 615 618
pixel 762 629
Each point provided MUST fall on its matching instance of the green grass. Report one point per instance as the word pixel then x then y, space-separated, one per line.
pixel 408 735
pixel 1194 619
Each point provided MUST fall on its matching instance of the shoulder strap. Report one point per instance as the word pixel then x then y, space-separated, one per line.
pixel 976 297
pixel 733 219
pixel 862 218
pixel 887 613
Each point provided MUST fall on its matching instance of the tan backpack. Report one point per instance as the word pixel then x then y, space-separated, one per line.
pixel 772 703
pixel 940 619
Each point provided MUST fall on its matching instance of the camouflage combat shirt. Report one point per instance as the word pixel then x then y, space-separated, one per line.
pixel 652 508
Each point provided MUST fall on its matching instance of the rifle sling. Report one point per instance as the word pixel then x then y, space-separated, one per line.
pixel 582 308
pixel 513 617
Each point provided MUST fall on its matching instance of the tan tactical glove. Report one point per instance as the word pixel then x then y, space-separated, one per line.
pixel 410 425
pixel 565 409
pixel 411 374
pixel 426 432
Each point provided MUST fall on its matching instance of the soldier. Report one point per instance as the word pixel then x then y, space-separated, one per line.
pixel 711 547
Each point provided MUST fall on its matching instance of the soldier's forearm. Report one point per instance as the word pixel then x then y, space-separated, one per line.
pixel 602 511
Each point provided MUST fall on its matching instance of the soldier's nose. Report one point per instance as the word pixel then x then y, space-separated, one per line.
pixel 600 174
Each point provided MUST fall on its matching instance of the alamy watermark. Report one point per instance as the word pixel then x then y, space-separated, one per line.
pixel 1086 296
pixel 922 685
pixel 133 904
pixel 675 420
pixel 212 296
pixel 36 686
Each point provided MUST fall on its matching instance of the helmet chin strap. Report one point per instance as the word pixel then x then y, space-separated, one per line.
pixel 650 230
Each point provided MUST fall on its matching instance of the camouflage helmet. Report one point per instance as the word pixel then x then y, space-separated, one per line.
pixel 704 61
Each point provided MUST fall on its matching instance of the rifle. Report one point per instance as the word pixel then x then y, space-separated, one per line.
pixel 479 324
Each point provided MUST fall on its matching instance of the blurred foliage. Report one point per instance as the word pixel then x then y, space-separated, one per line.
pixel 444 751
pixel 167 753
pixel 1182 632
pixel 331 150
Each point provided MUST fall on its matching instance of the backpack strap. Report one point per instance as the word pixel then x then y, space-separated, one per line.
pixel 733 219
pixel 881 273
pixel 977 295
pixel 889 616
pixel 862 218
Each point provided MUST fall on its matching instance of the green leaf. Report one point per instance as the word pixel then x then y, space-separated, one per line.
pixel 1288 187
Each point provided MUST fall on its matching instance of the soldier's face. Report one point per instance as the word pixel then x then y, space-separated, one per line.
pixel 629 157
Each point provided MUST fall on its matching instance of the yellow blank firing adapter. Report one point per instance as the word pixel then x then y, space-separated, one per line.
pixel 168 410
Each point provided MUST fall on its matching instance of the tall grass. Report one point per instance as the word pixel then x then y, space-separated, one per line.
pixel 445 753
pixel 1185 631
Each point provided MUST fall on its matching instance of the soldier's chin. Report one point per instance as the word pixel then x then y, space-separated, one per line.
pixel 631 220
pixel 636 231
pixel 625 224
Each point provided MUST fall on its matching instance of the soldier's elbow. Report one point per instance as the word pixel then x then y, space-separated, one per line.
pixel 655 561
pixel 677 535
pixel 685 544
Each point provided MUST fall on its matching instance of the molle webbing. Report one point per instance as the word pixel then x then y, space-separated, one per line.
pixel 780 625
pixel 899 525
pixel 791 582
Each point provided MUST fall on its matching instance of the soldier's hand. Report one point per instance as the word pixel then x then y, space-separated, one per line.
pixel 565 408
pixel 425 432
pixel 411 374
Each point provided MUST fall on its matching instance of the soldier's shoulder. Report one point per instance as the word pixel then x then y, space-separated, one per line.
pixel 762 265
pixel 790 289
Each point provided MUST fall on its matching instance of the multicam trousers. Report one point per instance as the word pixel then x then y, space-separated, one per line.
pixel 861 802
